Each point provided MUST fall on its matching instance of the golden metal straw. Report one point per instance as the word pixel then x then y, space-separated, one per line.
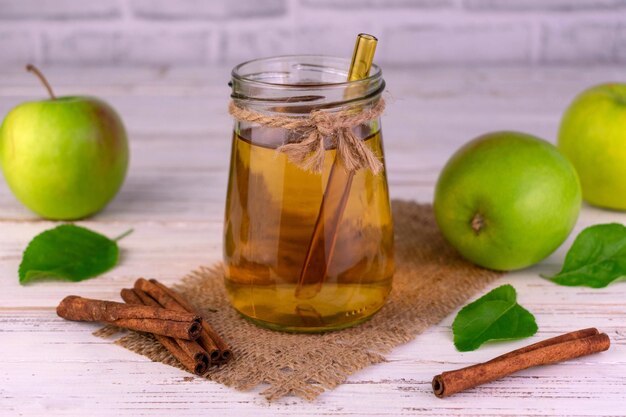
pixel 362 57
pixel 324 237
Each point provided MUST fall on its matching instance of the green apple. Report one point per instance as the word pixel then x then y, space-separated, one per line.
pixel 64 158
pixel 507 200
pixel 593 137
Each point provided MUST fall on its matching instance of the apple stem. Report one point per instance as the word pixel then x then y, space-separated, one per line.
pixel 478 223
pixel 123 235
pixel 35 70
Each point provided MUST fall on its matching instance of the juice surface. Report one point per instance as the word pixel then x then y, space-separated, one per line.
pixel 271 209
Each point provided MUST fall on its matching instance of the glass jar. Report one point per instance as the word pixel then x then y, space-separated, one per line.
pixel 305 251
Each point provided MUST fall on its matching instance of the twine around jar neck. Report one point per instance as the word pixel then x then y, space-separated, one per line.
pixel 306 149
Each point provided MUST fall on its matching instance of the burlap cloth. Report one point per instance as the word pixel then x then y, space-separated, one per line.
pixel 430 281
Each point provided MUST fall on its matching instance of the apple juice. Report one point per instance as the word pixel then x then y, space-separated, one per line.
pixel 271 209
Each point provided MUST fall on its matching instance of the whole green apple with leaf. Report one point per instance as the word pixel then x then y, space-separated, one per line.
pixel 64 157
pixel 507 200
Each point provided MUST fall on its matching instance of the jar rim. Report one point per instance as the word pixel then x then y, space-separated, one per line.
pixel 236 73
pixel 302 83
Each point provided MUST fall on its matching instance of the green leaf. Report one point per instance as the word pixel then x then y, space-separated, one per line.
pixel 597 257
pixel 495 315
pixel 67 252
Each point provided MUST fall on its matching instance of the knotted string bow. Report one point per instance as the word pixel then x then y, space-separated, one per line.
pixel 306 149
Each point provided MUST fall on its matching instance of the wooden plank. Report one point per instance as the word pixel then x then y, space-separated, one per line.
pixel 135 383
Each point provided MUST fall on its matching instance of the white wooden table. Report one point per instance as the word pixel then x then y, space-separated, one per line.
pixel 173 198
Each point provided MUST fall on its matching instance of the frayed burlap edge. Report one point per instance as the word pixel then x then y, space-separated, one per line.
pixel 431 280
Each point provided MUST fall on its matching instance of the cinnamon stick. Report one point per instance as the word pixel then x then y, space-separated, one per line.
pixel 168 301
pixel 178 324
pixel 168 298
pixel 191 347
pixel 578 334
pixel 187 352
pixel 211 337
pixel 567 346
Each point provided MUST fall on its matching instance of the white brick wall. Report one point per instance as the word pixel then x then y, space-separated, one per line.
pixel 131 47
pixel 58 9
pixel 497 43
pixel 589 41
pixel 412 32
